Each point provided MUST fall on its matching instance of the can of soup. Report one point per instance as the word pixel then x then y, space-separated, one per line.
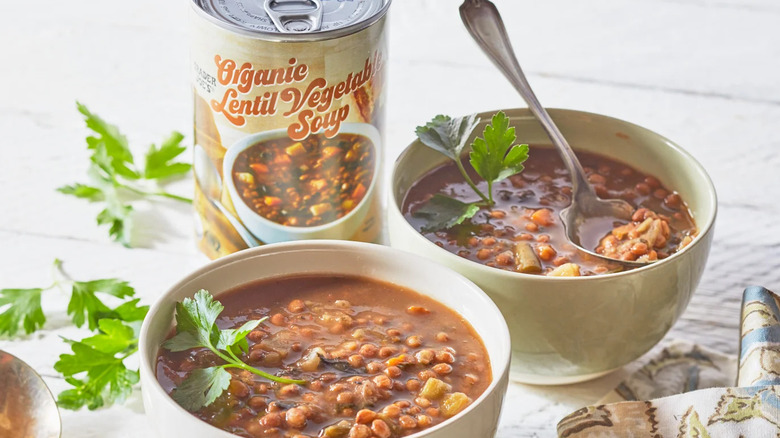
pixel 289 105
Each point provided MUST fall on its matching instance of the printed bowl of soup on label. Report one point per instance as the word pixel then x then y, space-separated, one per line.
pixel 316 188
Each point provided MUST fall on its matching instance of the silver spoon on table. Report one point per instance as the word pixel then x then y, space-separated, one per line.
pixel 210 183
pixel 587 210
pixel 27 407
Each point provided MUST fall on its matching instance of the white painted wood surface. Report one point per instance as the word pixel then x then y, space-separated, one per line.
pixel 705 73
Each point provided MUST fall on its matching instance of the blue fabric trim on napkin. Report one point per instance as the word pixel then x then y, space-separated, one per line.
pixel 760 340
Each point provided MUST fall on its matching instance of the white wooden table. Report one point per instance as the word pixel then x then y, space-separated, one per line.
pixel 705 73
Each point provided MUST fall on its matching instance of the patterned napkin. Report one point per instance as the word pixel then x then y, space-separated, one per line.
pixel 674 382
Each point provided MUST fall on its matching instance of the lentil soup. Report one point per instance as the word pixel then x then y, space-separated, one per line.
pixel 381 361
pixel 305 183
pixel 522 232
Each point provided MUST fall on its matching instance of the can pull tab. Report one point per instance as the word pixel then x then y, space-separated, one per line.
pixel 295 16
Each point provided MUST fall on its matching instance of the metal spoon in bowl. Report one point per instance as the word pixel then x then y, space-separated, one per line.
pixel 27 407
pixel 587 210
pixel 208 179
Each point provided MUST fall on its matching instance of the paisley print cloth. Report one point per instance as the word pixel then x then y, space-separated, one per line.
pixel 691 392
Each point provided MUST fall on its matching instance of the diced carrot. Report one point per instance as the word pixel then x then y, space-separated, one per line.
pixel 359 191
pixel 542 217
pixel 272 201
pixel 398 360
pixel 259 167
pixel 546 252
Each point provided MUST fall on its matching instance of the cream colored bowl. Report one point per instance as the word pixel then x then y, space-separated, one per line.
pixel 566 330
pixel 480 419
pixel 271 232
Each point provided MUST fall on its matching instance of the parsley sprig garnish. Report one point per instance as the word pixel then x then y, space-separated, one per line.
pixel 494 157
pixel 95 368
pixel 115 179
pixel 196 327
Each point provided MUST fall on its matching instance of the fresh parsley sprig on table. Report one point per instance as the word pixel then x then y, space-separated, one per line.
pixel 23 311
pixel 115 179
pixel 494 157
pixel 96 368
pixel 196 328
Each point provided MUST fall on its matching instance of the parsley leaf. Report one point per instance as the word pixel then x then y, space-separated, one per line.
pixel 447 135
pixel 23 311
pixel 118 218
pixel 110 144
pixel 158 161
pixel 82 191
pixel 196 323
pixel 114 337
pixel 443 212
pixel 85 306
pixel 202 387
pixel 116 180
pixel 196 328
pixel 496 157
pixel 130 311
pixel 96 369
pixel 235 339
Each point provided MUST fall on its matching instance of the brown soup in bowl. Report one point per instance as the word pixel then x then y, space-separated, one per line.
pixel 522 232
pixel 380 360
pixel 307 183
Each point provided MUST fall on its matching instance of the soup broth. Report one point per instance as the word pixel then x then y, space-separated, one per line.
pixel 522 232
pixel 380 360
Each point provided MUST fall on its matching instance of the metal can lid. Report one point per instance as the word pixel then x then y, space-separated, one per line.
pixel 307 17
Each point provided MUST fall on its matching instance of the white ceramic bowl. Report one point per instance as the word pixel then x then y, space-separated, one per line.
pixel 566 330
pixel 271 232
pixel 480 419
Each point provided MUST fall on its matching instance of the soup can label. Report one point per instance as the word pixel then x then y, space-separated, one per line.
pixel 288 124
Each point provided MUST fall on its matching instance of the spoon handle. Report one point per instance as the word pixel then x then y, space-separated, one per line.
pixel 485 25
